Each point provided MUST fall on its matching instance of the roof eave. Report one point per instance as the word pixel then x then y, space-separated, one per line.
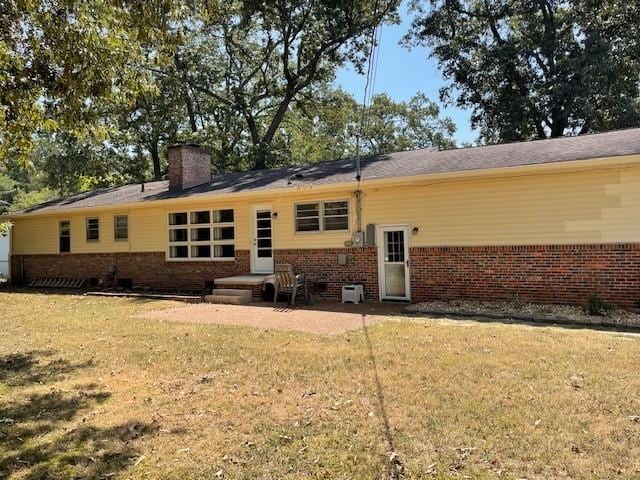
pixel 578 165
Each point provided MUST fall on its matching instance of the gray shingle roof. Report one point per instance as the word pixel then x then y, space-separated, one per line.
pixel 394 165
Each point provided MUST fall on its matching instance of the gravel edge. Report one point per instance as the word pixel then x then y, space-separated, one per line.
pixel 598 322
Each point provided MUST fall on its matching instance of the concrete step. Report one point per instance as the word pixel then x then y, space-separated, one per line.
pixel 232 291
pixel 229 295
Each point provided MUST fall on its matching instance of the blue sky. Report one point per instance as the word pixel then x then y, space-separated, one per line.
pixel 402 72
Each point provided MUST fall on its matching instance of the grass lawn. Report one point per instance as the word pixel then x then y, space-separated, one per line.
pixel 89 391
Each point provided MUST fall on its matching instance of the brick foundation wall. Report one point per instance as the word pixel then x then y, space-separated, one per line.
pixel 144 269
pixel 547 274
pixel 322 265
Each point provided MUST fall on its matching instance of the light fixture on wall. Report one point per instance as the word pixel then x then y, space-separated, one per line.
pixel 274 215
pixel 415 230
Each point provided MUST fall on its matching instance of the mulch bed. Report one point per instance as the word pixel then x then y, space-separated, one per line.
pixel 534 312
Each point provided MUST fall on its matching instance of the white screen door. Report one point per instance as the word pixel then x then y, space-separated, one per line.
pixel 393 263
pixel 262 241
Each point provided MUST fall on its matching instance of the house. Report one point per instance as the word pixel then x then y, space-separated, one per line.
pixel 548 220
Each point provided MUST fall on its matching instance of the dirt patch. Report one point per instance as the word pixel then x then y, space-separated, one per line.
pixel 327 319
pixel 528 311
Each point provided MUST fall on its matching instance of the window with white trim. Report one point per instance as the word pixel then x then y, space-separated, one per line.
pixel 202 235
pixel 93 229
pixel 322 216
pixel 121 227
pixel 65 236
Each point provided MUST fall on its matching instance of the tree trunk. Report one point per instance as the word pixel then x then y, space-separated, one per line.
pixel 190 111
pixel 155 159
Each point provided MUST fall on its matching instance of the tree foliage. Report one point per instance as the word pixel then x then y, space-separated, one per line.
pixel 91 92
pixel 63 61
pixel 536 68
pixel 243 71
pixel 330 127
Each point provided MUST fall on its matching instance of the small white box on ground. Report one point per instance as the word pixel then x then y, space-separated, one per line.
pixel 352 293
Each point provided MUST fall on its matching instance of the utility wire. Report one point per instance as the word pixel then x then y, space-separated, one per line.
pixel 372 68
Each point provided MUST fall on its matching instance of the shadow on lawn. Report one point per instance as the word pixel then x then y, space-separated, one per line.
pixel 395 466
pixel 39 435
pixel 21 369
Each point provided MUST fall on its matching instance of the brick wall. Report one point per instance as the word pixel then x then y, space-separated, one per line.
pixel 322 264
pixel 144 269
pixel 553 274
pixel 549 274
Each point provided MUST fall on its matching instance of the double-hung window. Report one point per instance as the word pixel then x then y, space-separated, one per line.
pixel 93 229
pixel 120 227
pixel 322 216
pixel 202 235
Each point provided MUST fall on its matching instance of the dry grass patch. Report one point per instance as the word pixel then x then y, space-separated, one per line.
pixel 90 390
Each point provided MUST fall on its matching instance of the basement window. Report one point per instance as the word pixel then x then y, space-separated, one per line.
pixel 322 216
pixel 202 235
pixel 93 229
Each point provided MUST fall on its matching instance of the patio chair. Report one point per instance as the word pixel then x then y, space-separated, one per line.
pixel 288 283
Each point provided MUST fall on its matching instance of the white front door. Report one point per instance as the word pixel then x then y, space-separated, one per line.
pixel 393 262
pixel 262 246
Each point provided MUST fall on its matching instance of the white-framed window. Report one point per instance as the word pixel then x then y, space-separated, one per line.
pixel 64 229
pixel 329 216
pixel 121 227
pixel 93 229
pixel 202 235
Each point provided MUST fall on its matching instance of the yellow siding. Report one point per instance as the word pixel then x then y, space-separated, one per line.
pixel 578 207
pixel 34 235
pixel 585 207
pixel 147 229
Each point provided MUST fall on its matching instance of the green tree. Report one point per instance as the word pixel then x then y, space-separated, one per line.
pixel 245 70
pixel 70 164
pixel 536 68
pixel 8 189
pixel 61 61
pixel 327 128
pixel 154 120
pixel 396 126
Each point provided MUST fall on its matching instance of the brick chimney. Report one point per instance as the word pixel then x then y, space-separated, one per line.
pixel 189 166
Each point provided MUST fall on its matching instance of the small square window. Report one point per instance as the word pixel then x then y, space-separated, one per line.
pixel 223 216
pixel 179 251
pixel 201 234
pixel 223 251
pixel 223 233
pixel 93 229
pixel 178 235
pixel 178 218
pixel 201 251
pixel 203 217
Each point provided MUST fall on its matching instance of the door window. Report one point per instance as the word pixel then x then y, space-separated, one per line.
pixel 263 234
